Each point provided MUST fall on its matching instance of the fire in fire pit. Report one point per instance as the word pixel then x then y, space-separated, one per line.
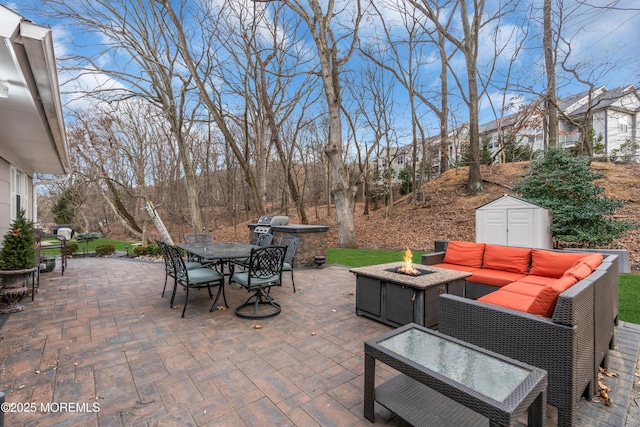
pixel 408 268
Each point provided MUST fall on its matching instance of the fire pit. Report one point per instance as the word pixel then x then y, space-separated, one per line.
pixel 414 272
pixel 396 298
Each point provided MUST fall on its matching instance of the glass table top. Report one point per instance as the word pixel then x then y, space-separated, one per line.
pixel 481 372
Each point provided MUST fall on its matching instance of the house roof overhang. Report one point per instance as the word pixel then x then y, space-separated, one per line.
pixel 32 133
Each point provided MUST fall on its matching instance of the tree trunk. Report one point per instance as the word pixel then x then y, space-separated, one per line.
pixel 474 181
pixel 549 63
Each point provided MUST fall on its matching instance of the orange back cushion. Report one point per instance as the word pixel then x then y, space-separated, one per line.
pixel 584 266
pixel 464 253
pixel 506 258
pixel 545 301
pixel 552 264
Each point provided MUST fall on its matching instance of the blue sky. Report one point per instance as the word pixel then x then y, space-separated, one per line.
pixel 604 49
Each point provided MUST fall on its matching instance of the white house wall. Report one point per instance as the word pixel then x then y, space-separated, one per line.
pixel 5 196
pixel 7 207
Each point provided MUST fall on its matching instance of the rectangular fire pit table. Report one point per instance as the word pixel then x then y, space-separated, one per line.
pixel 447 382
pixel 397 299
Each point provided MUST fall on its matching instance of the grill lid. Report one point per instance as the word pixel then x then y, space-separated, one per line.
pixel 266 222
pixel 273 220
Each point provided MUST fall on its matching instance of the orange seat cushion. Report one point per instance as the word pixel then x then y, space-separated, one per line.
pixel 455 267
pixel 523 288
pixel 508 299
pixel 537 280
pixel 545 303
pixel 506 258
pixel 494 277
pixel 464 253
pixel 552 264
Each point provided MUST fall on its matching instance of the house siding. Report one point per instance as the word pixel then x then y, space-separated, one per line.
pixel 5 196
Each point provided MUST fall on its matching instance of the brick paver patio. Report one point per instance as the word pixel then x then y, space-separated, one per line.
pixel 102 337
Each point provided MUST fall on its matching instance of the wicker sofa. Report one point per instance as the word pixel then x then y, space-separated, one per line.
pixel 570 342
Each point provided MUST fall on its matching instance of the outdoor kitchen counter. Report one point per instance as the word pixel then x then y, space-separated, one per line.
pixel 397 299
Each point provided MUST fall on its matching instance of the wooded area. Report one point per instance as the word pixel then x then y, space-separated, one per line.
pixel 219 112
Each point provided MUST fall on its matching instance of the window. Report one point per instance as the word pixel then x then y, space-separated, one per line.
pixel 18 192
pixel 400 160
pixel 623 126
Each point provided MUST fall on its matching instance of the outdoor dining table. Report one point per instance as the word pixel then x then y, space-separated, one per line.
pixel 222 252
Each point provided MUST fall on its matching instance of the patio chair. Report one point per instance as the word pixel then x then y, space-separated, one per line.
pixel 264 271
pixel 197 278
pixel 191 239
pixel 291 243
pixel 201 238
pixel 264 239
pixel 169 267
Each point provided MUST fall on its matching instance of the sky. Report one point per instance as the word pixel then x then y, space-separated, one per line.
pixel 602 40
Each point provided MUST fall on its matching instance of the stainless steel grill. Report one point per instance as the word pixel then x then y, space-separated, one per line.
pixel 266 222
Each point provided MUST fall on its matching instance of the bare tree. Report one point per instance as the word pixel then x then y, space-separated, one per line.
pixel 135 29
pixel 398 56
pixel 329 42
pixel 472 21
pixel 550 55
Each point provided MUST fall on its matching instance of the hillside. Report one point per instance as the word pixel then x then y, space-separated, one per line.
pixel 448 214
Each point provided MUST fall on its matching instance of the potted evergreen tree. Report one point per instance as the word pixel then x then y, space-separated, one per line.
pixel 17 263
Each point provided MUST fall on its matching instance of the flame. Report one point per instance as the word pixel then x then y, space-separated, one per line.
pixel 408 268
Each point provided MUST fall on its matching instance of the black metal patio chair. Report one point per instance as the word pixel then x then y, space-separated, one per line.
pixel 169 267
pixel 264 239
pixel 291 243
pixel 191 239
pixel 264 271
pixel 201 239
pixel 197 278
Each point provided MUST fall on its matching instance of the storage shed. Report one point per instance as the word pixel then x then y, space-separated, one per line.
pixel 514 221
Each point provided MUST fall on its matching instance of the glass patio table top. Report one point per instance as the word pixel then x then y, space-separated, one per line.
pixel 482 372
pixel 445 381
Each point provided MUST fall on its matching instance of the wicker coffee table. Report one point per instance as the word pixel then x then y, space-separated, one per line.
pixel 447 382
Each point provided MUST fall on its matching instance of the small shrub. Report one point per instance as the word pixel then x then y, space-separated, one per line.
pixel 72 248
pixel 146 250
pixel 153 250
pixel 105 249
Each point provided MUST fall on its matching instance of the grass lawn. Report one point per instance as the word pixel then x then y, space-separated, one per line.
pixel 629 297
pixel 364 257
pixel 119 244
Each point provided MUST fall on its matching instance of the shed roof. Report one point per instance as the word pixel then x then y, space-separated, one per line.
pixel 509 199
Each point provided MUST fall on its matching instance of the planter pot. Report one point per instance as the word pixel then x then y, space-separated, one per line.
pixel 49 264
pixel 13 286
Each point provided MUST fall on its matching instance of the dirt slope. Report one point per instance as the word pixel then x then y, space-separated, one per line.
pixel 448 214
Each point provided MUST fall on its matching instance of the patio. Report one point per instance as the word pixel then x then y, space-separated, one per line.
pixel 103 334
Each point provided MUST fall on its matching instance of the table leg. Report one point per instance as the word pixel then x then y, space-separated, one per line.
pixel 537 413
pixel 369 387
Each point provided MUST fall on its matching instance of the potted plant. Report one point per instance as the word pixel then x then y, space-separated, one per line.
pixel 17 262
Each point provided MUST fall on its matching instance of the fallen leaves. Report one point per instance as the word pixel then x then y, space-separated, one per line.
pixel 603 389
pixel 257 326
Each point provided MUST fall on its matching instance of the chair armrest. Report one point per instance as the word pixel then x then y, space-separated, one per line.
pixel 433 258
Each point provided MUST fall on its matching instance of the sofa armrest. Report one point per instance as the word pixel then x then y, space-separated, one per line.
pixel 433 258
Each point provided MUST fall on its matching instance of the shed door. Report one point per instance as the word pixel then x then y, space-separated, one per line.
pixel 495 227
pixel 520 227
